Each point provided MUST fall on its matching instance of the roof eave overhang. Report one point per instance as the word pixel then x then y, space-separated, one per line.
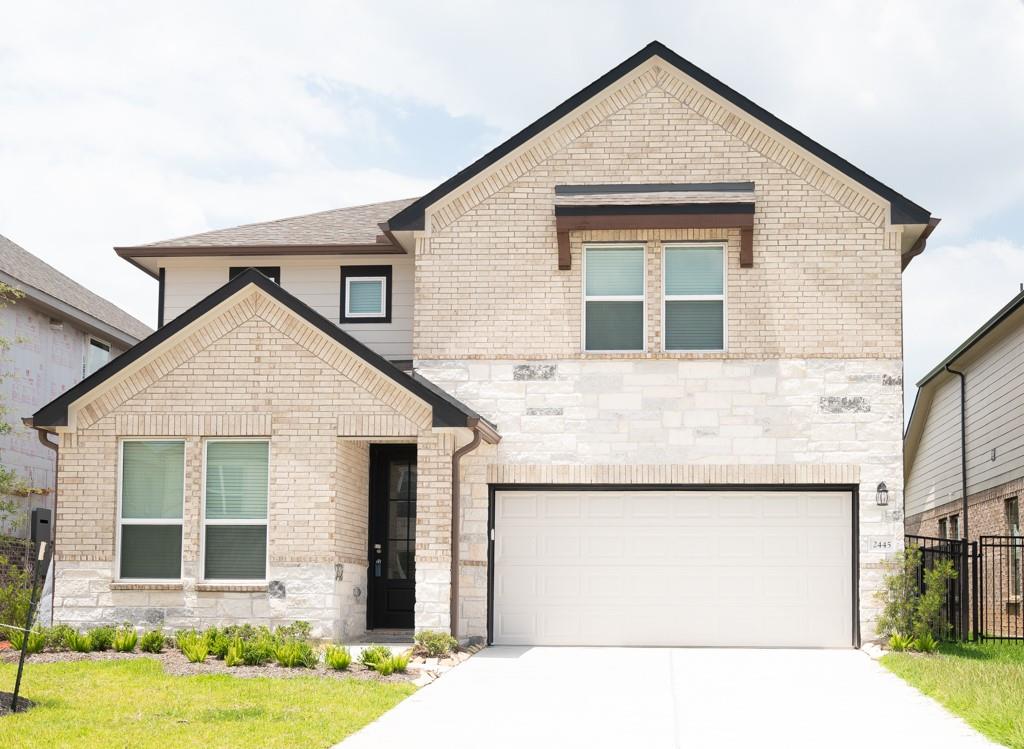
pixel 446 410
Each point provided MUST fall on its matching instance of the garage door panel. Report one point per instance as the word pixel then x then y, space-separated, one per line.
pixel 673 568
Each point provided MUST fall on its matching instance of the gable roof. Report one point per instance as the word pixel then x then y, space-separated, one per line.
pixel 922 399
pixel 46 285
pixel 447 411
pixel 902 210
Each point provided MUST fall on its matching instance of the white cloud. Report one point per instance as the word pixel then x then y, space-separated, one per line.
pixel 127 122
pixel 948 293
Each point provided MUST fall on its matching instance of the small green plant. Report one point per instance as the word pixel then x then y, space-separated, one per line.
pixel 153 642
pixel 374 654
pixel 57 637
pixel 258 651
pixel 80 642
pixel 295 654
pixel 392 664
pixel 234 655
pixel 898 643
pixel 102 638
pixel 435 644
pixel 297 630
pixel 36 640
pixel 908 608
pixel 337 657
pixel 194 646
pixel 219 641
pixel 125 639
pixel 926 643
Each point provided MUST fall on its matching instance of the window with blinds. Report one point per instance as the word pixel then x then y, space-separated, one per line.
pixel 694 298
pixel 365 297
pixel 152 489
pixel 613 298
pixel 235 513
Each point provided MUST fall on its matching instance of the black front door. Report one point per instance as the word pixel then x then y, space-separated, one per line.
pixel 392 588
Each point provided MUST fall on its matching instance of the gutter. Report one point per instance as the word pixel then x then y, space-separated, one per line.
pixel 481 432
pixel 964 526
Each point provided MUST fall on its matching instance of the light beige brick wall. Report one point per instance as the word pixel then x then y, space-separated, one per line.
pixel 826 275
pixel 251 369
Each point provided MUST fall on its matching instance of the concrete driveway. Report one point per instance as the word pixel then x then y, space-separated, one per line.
pixel 656 697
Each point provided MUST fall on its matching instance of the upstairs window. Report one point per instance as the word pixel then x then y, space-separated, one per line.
pixel 96 356
pixel 152 493
pixel 694 294
pixel 366 294
pixel 273 272
pixel 613 298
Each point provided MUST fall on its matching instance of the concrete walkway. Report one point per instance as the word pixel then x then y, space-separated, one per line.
pixel 535 698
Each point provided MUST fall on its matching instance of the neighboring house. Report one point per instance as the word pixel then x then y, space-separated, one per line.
pixel 60 332
pixel 657 382
pixel 992 363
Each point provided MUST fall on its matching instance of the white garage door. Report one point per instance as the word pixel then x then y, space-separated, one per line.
pixel 767 568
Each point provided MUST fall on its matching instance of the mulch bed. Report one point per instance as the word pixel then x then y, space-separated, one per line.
pixel 5 703
pixel 176 664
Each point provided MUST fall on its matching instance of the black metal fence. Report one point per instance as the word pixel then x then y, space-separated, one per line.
pixel 994 569
pixel 999 589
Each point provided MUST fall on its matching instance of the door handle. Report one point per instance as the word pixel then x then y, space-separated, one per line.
pixel 377 566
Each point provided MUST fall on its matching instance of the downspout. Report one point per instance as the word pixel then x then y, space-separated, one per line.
pixel 964 524
pixel 44 440
pixel 472 445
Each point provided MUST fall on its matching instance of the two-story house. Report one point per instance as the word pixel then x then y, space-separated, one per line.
pixel 655 393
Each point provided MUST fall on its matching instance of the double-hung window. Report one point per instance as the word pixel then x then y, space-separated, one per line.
pixel 152 493
pixel 97 355
pixel 694 294
pixel 613 298
pixel 235 510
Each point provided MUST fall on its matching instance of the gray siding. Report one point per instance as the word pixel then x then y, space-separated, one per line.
pixel 995 419
pixel 43 362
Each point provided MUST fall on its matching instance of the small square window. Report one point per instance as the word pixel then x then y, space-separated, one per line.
pixel 366 294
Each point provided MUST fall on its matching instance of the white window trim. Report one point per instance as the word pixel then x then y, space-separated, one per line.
pixel 642 246
pixel 383 296
pixel 149 521
pixel 723 297
pixel 203 522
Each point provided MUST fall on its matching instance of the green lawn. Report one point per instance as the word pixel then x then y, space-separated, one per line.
pixel 983 683
pixel 133 703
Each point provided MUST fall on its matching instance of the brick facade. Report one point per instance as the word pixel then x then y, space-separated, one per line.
pixel 250 368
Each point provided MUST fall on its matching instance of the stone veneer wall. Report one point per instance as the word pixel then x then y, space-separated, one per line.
pixel 734 421
pixel 251 369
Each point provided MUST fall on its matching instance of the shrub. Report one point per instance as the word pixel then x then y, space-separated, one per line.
pixel 15 592
pixel 58 637
pixel 906 608
pixel 373 654
pixel 153 642
pixel 337 657
pixel 219 641
pixel 295 654
pixel 926 643
pixel 80 642
pixel 36 640
pixel 258 651
pixel 435 644
pixel 899 643
pixel 102 638
pixel 392 664
pixel 125 639
pixel 193 646
pixel 297 630
pixel 235 653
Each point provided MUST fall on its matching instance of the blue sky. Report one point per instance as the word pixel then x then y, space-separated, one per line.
pixel 128 122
